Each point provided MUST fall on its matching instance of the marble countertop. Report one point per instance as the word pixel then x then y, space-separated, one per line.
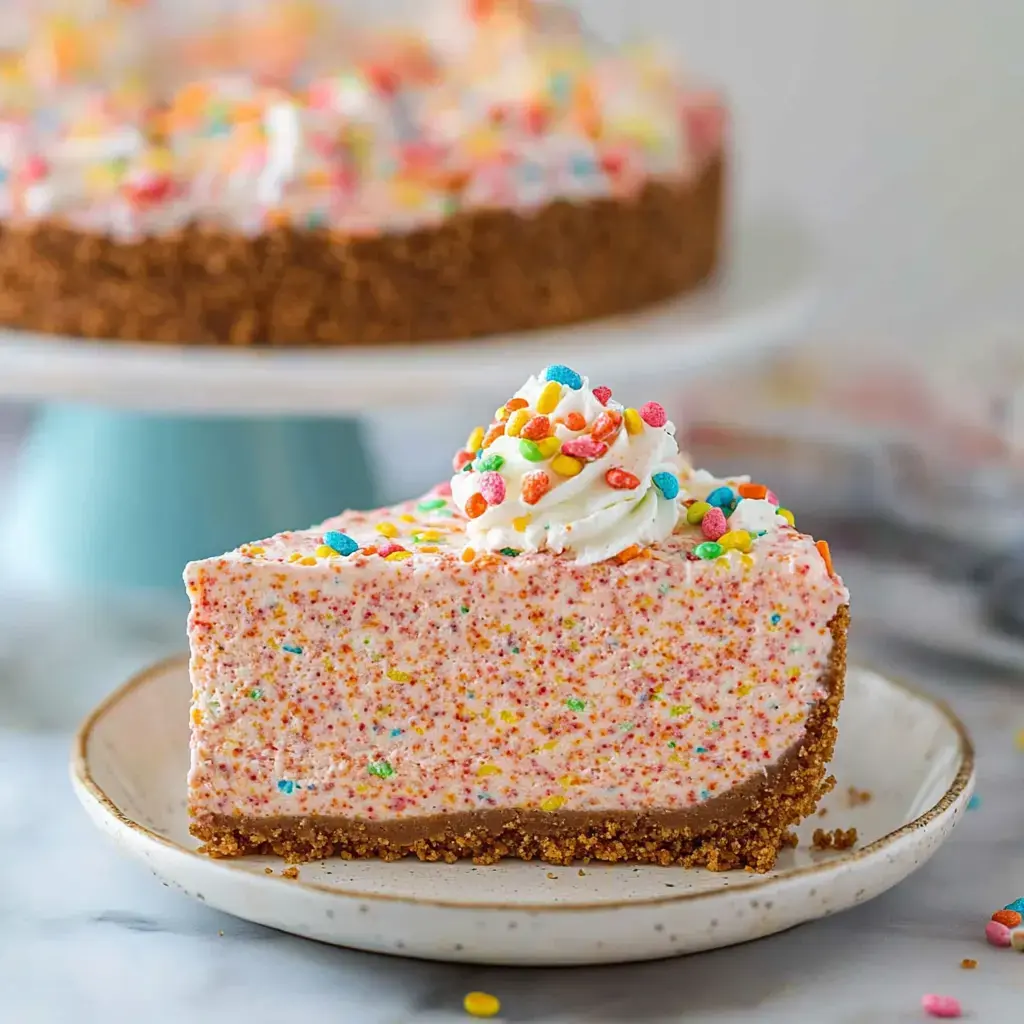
pixel 86 935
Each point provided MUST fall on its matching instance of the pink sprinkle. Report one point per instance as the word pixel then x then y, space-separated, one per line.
pixel 653 414
pixel 997 934
pixel 713 525
pixel 35 169
pixel 584 448
pixel 444 490
pixel 602 394
pixel 770 496
pixel 492 487
pixel 941 1006
pixel 388 548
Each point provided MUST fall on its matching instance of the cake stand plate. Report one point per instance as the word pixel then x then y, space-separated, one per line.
pixel 148 456
pixel 910 752
pixel 757 304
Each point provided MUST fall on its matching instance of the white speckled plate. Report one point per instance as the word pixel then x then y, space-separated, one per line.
pixel 911 753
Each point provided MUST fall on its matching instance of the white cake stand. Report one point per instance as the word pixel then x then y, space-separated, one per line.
pixel 147 456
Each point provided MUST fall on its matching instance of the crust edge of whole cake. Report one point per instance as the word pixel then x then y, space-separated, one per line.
pixel 207 286
pixel 745 828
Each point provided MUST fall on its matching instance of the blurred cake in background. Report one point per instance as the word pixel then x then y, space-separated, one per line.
pixel 274 174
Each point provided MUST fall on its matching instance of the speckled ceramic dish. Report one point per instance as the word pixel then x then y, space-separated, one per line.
pixel 910 753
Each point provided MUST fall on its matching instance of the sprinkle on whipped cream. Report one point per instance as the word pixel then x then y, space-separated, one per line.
pixel 565 468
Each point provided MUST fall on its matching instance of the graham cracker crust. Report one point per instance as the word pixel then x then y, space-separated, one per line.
pixel 479 272
pixel 744 828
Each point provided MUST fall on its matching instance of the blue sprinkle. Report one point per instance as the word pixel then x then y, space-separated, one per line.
pixel 560 85
pixel 668 484
pixel 974 803
pixel 396 732
pixel 702 750
pixel 1017 904
pixel 582 166
pixel 291 648
pixel 722 497
pixel 340 542
pixel 286 785
pixel 562 374
pixel 704 794
pixel 776 619
pixel 531 173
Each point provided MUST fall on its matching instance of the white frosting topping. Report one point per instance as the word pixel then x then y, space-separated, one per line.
pixel 582 514
pixel 756 515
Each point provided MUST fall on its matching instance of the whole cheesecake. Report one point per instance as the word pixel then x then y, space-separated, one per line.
pixel 278 177
pixel 580 648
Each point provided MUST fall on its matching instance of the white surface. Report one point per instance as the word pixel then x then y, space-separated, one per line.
pixel 762 300
pixel 901 747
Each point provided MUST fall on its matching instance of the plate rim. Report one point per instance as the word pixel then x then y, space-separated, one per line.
pixel 86 785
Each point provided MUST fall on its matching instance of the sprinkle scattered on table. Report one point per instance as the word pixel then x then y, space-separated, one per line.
pixel 1010 918
pixel 941 1006
pixel 481 1004
pixel 968 964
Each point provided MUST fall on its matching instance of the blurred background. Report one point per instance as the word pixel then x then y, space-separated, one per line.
pixel 891 136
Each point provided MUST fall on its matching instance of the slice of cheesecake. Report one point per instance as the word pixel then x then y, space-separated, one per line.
pixel 581 648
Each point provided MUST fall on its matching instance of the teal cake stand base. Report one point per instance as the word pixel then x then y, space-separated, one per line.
pixel 106 498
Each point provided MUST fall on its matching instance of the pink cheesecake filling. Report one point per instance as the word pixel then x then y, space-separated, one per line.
pixel 440 681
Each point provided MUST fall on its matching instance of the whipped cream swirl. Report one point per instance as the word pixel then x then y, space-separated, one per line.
pixel 604 479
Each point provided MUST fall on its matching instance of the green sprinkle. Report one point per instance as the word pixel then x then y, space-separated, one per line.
pixel 256 694
pixel 708 550
pixel 530 451
pixel 575 704
pixel 291 648
pixel 664 588
pixel 626 726
pixel 490 463
pixel 381 769
pixel 696 512
pixel 515 650
pixel 464 609
pixel 430 504
pixel 510 552
pixel 672 744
